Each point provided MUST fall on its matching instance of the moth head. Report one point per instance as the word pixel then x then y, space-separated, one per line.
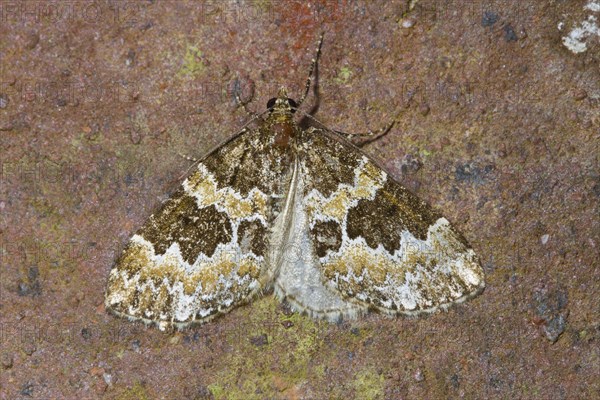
pixel 282 103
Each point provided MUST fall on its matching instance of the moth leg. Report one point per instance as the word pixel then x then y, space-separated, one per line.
pixel 313 62
pixel 194 162
pixel 188 158
pixel 369 136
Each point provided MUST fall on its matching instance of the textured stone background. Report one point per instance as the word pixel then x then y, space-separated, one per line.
pixel 500 131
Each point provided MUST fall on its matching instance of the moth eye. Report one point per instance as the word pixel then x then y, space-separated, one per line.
pixel 271 103
pixel 292 104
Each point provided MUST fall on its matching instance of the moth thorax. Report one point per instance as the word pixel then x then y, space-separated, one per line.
pixel 284 132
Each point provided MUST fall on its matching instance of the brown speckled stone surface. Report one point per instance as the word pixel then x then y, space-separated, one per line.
pixel 500 131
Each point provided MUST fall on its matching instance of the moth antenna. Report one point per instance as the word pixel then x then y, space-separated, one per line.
pixel 313 62
pixel 371 135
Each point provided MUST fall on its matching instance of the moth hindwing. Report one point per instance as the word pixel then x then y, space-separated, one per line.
pixel 301 211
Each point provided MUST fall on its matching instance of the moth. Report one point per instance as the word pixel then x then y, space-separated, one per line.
pixel 301 212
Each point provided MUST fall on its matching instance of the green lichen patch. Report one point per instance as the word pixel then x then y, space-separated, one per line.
pixel 136 392
pixel 193 64
pixel 271 354
pixel 343 76
pixel 369 385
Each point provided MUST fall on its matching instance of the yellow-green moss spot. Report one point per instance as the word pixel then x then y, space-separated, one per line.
pixel 281 365
pixel 43 207
pixel 343 76
pixel 262 5
pixel 369 385
pixel 306 337
pixel 120 353
pixel 217 391
pixel 81 140
pixel 78 140
pixel 192 63
pixel 137 392
pixel 320 370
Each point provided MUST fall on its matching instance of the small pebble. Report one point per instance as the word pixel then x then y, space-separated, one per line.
pixel 108 378
pixel 27 389
pixel 408 23
pixel 544 239
pixel 454 380
pixel 135 346
pixel 489 18
pixel 287 324
pixel 509 34
pixel 86 333
pixel 424 109
pixel 419 376
pixel 555 327
pixel 550 305
pixel 3 101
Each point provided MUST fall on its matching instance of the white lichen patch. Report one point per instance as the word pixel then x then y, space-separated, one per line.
pixel 577 39
pixel 593 6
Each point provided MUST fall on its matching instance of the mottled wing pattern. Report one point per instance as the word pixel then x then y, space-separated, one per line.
pixel 378 244
pixel 204 251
